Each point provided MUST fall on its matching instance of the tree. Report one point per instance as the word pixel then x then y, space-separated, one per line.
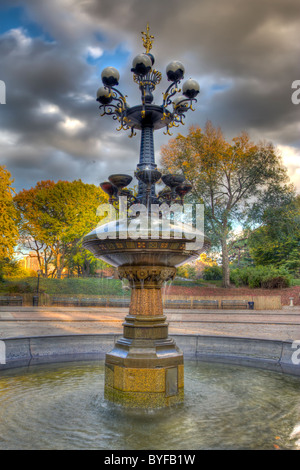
pixel 187 270
pixel 8 216
pixel 228 178
pixel 84 263
pixel 277 241
pixel 55 216
pixel 238 250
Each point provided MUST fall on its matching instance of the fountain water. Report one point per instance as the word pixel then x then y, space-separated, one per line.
pixel 62 406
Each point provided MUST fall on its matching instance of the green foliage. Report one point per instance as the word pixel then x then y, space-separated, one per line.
pixel 212 273
pixel 83 262
pixel 186 270
pixel 277 241
pixel 265 277
pixel 238 251
pixel 187 282
pixel 11 269
pixel 20 287
pixel 227 177
pixel 55 216
pixel 67 286
pixel 8 216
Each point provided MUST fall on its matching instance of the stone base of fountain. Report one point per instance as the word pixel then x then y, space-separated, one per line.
pixel 145 368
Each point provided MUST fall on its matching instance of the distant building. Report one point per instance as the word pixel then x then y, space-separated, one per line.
pixel 30 262
pixel 106 272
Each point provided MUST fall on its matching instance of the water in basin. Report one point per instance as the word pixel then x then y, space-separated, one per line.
pixel 61 406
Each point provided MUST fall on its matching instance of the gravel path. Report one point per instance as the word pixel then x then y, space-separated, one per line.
pixel 43 321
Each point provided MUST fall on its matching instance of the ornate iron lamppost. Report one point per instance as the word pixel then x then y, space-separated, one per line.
pixel 145 368
pixel 148 117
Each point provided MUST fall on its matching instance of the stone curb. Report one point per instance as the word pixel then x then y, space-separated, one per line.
pixel 262 353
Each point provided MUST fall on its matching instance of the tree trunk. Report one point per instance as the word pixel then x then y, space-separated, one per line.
pixel 239 256
pixel 60 260
pixel 45 265
pixel 225 264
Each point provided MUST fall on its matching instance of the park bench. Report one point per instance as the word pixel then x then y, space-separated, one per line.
pixel 118 303
pixel 205 304
pixel 177 303
pixel 11 300
pixel 66 301
pixel 234 304
pixel 93 302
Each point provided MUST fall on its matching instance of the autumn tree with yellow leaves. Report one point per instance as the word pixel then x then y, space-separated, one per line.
pixel 55 216
pixel 227 177
pixel 8 216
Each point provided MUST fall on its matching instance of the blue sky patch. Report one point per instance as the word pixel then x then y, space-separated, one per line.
pixel 16 17
pixel 220 87
pixel 116 58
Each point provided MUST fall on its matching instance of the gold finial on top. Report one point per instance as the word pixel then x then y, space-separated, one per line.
pixel 147 40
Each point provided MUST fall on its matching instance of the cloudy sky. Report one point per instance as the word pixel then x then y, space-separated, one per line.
pixel 245 55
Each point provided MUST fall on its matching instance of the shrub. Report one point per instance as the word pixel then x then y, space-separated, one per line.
pixel 212 273
pixel 21 287
pixel 11 269
pixel 266 277
pixel 67 286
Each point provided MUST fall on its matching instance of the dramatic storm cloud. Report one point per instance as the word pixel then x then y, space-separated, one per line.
pixel 245 56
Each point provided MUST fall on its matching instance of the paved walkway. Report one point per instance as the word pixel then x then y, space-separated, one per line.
pixel 42 321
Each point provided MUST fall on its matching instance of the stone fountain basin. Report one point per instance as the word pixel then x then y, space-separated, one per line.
pixel 118 249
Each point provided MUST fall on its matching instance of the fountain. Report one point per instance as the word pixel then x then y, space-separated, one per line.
pixel 145 368
pixel 49 404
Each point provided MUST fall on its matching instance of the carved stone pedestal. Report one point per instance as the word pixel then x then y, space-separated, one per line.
pixel 145 368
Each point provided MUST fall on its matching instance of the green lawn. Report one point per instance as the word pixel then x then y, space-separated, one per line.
pixel 88 286
pixel 67 286
pixel 82 286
